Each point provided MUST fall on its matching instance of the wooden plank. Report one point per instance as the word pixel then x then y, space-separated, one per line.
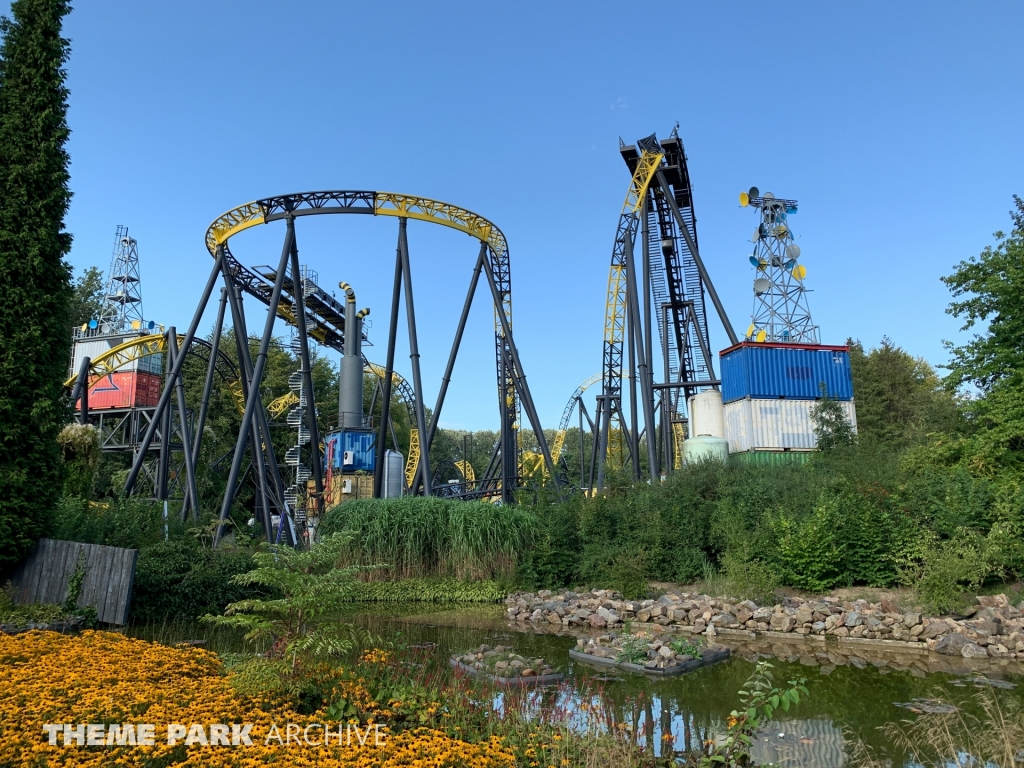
pixel 27 577
pixel 121 580
pixel 110 577
pixel 132 562
pixel 59 589
pixel 46 553
pixel 50 557
pixel 102 558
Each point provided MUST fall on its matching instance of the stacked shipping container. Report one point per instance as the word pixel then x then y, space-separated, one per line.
pixel 124 389
pixel 769 389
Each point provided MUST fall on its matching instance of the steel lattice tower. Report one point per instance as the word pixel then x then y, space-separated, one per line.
pixel 123 306
pixel 781 312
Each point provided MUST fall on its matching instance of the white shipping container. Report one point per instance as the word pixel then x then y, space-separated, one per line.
pixel 95 346
pixel 760 425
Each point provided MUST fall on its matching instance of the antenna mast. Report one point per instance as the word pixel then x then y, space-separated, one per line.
pixel 781 312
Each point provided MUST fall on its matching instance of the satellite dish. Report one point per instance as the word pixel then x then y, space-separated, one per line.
pixel 754 261
pixel 85 327
pixel 800 272
pixel 789 265
pixel 793 251
pixel 744 199
pixel 761 335
pixel 761 285
pixel 750 331
pixel 93 324
pixel 754 192
pixel 151 325
pixel 790 209
pixel 106 328
pixel 125 241
pixel 757 236
pixel 769 196
pixel 136 324
pixel 780 231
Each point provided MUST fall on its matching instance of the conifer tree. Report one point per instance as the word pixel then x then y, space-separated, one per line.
pixel 35 283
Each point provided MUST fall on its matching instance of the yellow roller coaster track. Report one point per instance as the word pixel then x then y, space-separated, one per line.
pixel 615 303
pixel 257 212
pixel 124 354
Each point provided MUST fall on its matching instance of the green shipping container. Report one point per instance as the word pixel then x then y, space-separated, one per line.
pixel 771 458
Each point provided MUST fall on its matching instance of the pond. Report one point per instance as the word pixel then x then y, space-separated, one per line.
pixel 852 695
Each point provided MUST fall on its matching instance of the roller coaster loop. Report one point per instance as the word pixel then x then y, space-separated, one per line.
pixel 318 316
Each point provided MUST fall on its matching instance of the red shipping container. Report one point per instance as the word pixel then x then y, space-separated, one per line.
pixel 124 389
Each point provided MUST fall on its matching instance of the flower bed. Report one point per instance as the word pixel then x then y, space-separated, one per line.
pixel 106 678
pixel 645 652
pixel 505 668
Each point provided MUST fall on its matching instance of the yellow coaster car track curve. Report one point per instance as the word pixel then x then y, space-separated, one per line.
pixel 264 211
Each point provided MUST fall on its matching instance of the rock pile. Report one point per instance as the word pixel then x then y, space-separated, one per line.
pixel 500 661
pixel 646 649
pixel 992 628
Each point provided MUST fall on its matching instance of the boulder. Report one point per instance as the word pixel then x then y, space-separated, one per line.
pixel 973 651
pixel 762 614
pixel 597 621
pixel 853 619
pixel 782 622
pixel 951 645
pixel 804 615
pixel 934 629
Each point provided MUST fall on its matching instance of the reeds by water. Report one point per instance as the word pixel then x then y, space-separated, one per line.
pixel 415 536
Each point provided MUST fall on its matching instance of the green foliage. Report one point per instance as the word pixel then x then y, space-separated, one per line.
pixel 88 297
pixel 80 449
pixel 848 538
pixel 749 579
pixel 181 579
pixel 75 582
pixel 428 590
pixel 831 427
pixel 35 289
pixel 761 698
pixel 900 398
pixel 416 536
pixel 990 289
pixel 683 645
pixel 553 560
pixel 633 650
pixel 307 589
pixel 130 522
pixel 950 570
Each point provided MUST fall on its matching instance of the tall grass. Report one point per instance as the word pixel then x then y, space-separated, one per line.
pixel 414 536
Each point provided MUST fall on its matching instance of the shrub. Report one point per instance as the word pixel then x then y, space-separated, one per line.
pixel 181 578
pixel 950 570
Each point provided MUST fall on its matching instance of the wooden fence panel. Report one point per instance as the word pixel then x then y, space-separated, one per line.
pixel 107 586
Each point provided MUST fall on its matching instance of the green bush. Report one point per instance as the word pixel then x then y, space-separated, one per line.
pixel 951 571
pixel 181 579
pixel 128 522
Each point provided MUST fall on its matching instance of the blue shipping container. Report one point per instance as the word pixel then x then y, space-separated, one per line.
pixel 794 371
pixel 361 444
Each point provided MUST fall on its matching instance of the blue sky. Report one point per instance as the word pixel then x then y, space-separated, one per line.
pixel 896 126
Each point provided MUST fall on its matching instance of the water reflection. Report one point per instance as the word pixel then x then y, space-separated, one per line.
pixel 853 692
